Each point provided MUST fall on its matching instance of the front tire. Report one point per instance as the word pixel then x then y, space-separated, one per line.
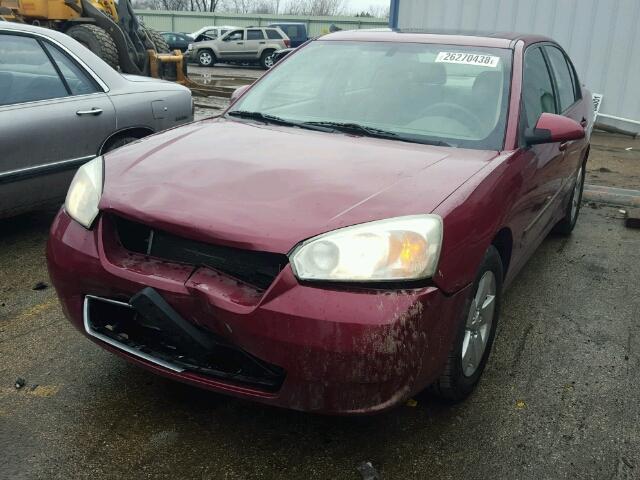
pixel 206 58
pixel 568 223
pixel 470 351
pixel 97 40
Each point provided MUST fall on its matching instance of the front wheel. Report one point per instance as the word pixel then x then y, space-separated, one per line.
pixel 470 351
pixel 206 58
pixel 568 223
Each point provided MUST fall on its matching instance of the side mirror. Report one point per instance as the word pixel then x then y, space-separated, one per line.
pixel 552 128
pixel 237 93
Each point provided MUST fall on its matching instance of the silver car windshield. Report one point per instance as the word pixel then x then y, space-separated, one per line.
pixel 426 93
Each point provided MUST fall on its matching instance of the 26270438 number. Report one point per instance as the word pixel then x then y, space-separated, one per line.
pixel 468 59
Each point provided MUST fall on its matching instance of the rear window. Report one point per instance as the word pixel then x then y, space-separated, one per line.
pixel 255 35
pixel 291 31
pixel 273 34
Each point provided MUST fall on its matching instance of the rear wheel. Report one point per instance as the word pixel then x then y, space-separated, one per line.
pixel 266 59
pixel 97 40
pixel 470 351
pixel 117 143
pixel 206 58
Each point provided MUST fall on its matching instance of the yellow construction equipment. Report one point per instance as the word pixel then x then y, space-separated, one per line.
pixel 108 28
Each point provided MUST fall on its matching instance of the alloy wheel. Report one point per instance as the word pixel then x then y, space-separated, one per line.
pixel 205 58
pixel 478 325
pixel 575 199
pixel 268 61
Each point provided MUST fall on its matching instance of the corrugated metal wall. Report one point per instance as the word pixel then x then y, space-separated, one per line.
pixel 601 36
pixel 191 21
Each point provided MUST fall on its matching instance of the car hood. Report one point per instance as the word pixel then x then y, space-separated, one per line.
pixel 267 188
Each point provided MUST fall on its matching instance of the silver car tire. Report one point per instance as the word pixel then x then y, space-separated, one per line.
pixel 472 345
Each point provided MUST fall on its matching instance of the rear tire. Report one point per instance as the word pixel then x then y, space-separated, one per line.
pixel 266 61
pixel 97 40
pixel 117 143
pixel 465 363
pixel 158 40
pixel 206 58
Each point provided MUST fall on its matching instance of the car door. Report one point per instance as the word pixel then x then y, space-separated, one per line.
pixel 54 117
pixel 542 163
pixel 254 43
pixel 231 45
pixel 569 99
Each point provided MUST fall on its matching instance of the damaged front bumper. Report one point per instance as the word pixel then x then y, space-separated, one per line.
pixel 304 347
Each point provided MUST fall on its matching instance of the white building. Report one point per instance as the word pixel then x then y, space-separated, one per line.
pixel 602 38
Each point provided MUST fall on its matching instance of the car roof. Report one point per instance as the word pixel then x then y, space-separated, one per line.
pixel 455 37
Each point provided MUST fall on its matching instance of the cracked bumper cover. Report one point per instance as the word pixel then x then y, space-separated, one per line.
pixel 343 351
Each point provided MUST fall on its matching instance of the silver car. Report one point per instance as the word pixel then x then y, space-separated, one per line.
pixel 251 45
pixel 61 105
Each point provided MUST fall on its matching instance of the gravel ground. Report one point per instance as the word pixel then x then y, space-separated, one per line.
pixel 559 398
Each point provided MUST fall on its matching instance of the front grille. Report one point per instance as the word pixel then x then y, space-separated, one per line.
pixel 258 269
pixel 122 326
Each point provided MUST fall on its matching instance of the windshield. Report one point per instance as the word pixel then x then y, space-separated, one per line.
pixel 425 93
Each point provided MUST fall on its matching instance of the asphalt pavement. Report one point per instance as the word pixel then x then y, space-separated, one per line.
pixel 560 398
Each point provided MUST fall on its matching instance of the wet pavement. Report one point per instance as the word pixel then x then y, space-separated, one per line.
pixel 560 398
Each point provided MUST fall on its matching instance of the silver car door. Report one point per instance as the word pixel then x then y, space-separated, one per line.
pixel 50 125
pixel 231 46
pixel 254 43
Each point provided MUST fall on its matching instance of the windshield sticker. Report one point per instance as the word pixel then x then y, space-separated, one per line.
pixel 468 59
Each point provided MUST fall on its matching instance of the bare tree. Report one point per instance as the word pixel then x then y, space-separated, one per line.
pixel 253 6
pixel 181 5
pixel 325 8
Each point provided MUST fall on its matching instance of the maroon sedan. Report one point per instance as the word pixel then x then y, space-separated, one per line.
pixel 340 238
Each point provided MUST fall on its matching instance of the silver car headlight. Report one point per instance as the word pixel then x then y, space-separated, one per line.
pixel 85 192
pixel 402 248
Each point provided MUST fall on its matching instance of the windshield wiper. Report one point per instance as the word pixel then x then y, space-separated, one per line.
pixel 376 132
pixel 267 118
pixel 259 116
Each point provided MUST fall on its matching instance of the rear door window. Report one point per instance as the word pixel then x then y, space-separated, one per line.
pixel 563 77
pixel 255 35
pixel 273 34
pixel 77 79
pixel 537 90
pixel 26 73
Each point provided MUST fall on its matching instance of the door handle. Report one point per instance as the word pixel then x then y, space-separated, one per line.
pixel 93 111
pixel 240 43
pixel 262 43
pixel 563 146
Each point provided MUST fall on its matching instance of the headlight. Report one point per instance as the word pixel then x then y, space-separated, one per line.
pixel 403 248
pixel 85 192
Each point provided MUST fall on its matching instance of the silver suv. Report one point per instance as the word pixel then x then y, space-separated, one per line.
pixel 250 44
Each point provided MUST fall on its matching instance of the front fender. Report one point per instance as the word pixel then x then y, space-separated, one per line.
pixel 472 216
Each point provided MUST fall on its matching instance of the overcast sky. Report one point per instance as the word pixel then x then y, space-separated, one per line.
pixel 364 4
